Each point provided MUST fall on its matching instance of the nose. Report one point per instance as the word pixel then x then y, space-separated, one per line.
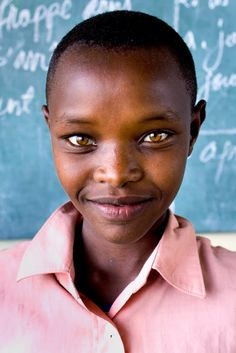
pixel 118 166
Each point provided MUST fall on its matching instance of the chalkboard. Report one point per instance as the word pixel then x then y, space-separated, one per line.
pixel 30 30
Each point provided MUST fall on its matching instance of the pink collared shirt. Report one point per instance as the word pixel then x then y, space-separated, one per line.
pixel 182 301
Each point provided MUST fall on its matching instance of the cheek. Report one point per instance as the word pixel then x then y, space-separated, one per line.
pixel 71 173
pixel 167 171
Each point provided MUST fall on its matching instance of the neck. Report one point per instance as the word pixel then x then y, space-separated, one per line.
pixel 103 269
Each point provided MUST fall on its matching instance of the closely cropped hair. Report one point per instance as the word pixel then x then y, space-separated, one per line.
pixel 125 30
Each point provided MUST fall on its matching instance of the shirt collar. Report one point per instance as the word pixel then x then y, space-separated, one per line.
pixel 176 259
pixel 51 250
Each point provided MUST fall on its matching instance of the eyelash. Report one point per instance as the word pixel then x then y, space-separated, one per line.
pixel 163 136
pixel 72 139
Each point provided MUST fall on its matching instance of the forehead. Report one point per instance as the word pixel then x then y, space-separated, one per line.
pixel 138 75
pixel 92 56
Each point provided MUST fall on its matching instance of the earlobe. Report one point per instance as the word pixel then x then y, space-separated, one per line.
pixel 198 117
pixel 45 113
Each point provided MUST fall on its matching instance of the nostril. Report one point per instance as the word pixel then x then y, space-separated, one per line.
pixel 117 177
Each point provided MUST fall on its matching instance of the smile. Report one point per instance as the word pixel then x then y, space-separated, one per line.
pixel 120 209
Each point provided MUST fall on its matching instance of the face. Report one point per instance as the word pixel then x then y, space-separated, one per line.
pixel 122 127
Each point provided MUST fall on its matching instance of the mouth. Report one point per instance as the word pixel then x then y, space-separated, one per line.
pixel 121 208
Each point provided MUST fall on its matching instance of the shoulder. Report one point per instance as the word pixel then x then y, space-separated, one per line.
pixel 10 260
pixel 216 254
pixel 14 252
pixel 218 264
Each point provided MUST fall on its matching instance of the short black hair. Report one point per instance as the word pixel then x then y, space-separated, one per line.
pixel 126 30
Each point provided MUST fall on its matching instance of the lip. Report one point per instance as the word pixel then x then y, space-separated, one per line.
pixel 120 208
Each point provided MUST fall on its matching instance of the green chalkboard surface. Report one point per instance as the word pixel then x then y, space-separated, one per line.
pixel 29 31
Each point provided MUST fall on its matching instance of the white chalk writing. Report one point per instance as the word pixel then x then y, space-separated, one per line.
pixel 218 75
pixel 95 7
pixel 18 106
pixel 177 4
pixel 27 60
pixel 212 152
pixel 214 79
pixel 215 3
pixel 30 61
pixel 12 18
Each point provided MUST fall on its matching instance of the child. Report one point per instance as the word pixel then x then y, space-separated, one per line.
pixel 114 270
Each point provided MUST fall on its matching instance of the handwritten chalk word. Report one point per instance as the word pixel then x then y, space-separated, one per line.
pixel 176 13
pixel 95 7
pixel 30 61
pixel 212 4
pixel 220 81
pixel 215 3
pixel 212 152
pixel 26 60
pixel 216 83
pixel 12 18
pixel 17 106
pixel 227 40
pixel 187 3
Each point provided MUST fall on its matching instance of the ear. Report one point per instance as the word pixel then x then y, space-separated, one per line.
pixel 198 117
pixel 45 111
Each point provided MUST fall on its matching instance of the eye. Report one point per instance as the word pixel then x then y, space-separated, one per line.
pixel 155 137
pixel 81 140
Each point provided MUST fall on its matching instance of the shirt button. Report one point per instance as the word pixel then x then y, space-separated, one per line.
pixel 113 339
pixel 109 331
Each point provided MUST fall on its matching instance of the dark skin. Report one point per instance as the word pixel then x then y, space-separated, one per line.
pixel 122 126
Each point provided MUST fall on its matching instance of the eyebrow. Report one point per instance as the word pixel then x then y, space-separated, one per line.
pixel 169 115
pixel 68 120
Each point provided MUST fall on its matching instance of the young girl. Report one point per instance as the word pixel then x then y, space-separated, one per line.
pixel 114 270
